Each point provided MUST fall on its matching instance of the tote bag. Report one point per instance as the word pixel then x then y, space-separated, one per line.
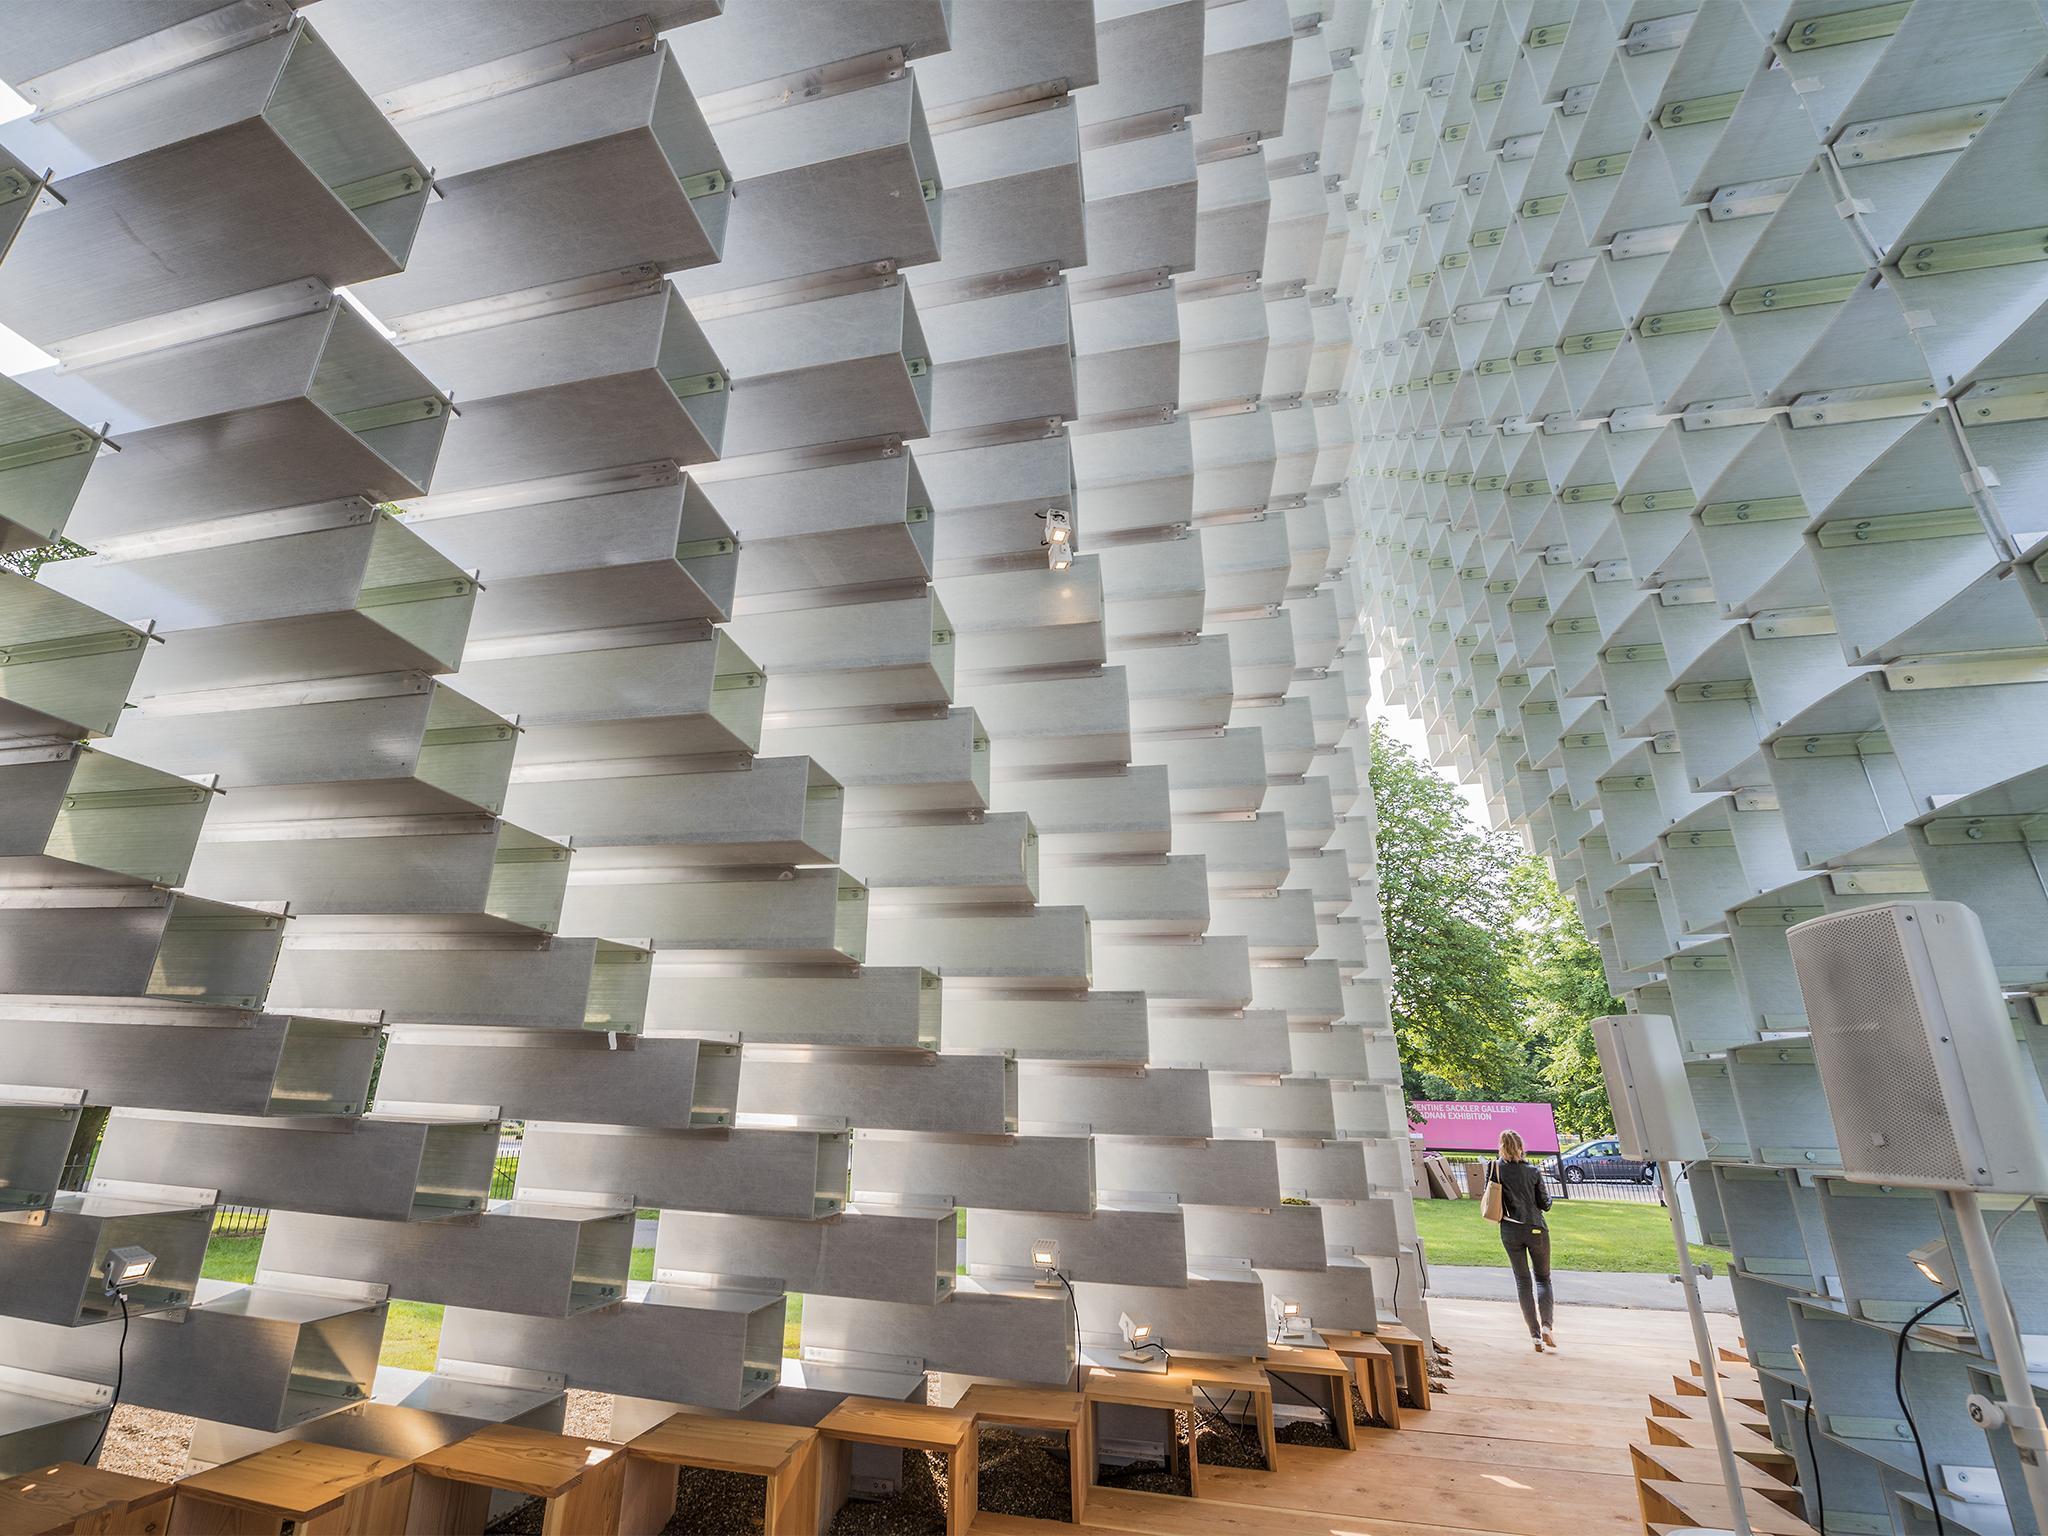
pixel 1490 1201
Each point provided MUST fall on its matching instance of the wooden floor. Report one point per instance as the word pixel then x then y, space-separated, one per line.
pixel 1521 1444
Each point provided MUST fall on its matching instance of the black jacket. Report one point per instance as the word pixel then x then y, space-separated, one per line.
pixel 1523 1198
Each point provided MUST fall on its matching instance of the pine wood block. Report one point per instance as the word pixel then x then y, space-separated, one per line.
pixel 913 1426
pixel 579 1480
pixel 66 1499
pixel 321 1490
pixel 1684 1504
pixel 1683 1464
pixel 1212 1374
pixel 1372 1368
pixel 1739 1384
pixel 1698 1434
pixel 784 1455
pixel 1671 1406
pixel 1413 1360
pixel 1297 1360
pixel 1038 1408
pixel 1142 1389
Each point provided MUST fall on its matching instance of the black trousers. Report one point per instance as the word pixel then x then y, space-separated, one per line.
pixel 1529 1249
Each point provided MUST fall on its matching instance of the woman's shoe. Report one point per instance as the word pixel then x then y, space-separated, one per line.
pixel 1537 1341
pixel 1549 1338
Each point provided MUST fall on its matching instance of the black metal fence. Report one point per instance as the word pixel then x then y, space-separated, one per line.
pixel 1562 1185
pixel 242 1220
pixel 254 1220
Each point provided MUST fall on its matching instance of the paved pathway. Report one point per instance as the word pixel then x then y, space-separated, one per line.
pixel 1584 1288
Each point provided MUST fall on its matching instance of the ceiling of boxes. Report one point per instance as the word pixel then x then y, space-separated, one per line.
pixel 690 614
pixel 1703 375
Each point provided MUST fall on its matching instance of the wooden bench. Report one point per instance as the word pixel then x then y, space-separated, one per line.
pixel 1038 1408
pixel 1231 1376
pixel 1411 1357
pixel 320 1490
pixel 785 1455
pixel 1142 1389
pixel 66 1498
pixel 1684 1464
pixel 578 1480
pixel 1739 1384
pixel 914 1427
pixel 1749 1446
pixel 1335 1375
pixel 1372 1371
pixel 1686 1505
pixel 1669 1405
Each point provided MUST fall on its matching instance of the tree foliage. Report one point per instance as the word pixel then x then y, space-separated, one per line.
pixel 1557 970
pixel 1494 979
pixel 26 562
pixel 1444 898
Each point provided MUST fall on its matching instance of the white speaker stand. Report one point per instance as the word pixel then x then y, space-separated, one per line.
pixel 1710 1365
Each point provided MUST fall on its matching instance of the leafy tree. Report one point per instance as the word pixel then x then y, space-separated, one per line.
pixel 1557 970
pixel 1495 982
pixel 1445 892
pixel 26 562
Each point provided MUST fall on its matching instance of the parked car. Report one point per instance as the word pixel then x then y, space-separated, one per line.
pixel 1602 1162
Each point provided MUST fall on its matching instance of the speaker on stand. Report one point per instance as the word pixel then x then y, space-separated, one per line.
pixel 1927 1087
pixel 1654 1119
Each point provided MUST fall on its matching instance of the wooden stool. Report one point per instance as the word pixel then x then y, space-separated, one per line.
pixel 579 1479
pixel 1302 1360
pixel 786 1455
pixel 912 1426
pixel 67 1498
pixel 1372 1368
pixel 1748 1445
pixel 1412 1359
pixel 322 1490
pixel 1143 1389
pixel 1685 1505
pixel 1038 1408
pixel 1227 1376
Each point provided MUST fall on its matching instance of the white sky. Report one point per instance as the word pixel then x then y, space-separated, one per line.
pixel 1407 730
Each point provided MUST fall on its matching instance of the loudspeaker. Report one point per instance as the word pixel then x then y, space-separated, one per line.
pixel 1924 1079
pixel 1644 1066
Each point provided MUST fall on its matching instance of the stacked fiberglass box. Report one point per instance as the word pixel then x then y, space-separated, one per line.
pixel 745 632
pixel 1701 394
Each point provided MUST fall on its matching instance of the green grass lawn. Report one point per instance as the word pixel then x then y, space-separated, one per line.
pixel 412 1329
pixel 1584 1234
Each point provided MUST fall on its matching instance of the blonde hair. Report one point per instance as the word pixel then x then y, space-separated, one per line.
pixel 1511 1146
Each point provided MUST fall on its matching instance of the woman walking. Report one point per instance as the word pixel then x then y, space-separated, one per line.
pixel 1526 1235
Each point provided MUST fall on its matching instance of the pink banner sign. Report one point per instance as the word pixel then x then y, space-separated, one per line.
pixel 1476 1127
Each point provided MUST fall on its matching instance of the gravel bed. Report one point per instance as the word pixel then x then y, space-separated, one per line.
pixel 1027 1475
pixel 1313 1432
pixel 145 1443
pixel 717 1503
pixel 520 1520
pixel 1230 1444
pixel 588 1414
pixel 1152 1476
pixel 918 1509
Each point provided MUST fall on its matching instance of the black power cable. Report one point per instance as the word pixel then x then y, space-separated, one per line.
pixel 120 1363
pixel 1820 1504
pixel 1899 1391
pixel 1319 1408
pixel 1073 1302
pixel 1220 1417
